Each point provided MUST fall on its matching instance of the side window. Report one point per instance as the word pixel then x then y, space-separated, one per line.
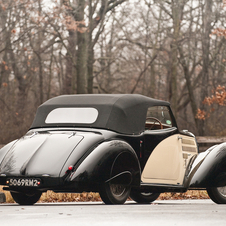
pixel 158 117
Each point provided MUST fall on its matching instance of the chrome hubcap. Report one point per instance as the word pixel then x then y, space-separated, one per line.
pixel 117 189
pixel 222 191
pixel 146 194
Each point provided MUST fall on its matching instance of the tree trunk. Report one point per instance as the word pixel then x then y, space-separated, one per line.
pixel 69 83
pixel 205 55
pixel 90 62
pixel 176 14
pixel 82 51
pixel 189 86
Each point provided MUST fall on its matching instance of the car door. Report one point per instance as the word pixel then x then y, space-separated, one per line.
pixel 167 152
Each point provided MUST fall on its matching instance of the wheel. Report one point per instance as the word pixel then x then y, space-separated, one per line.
pixel 26 199
pixel 142 197
pixel 114 193
pixel 218 195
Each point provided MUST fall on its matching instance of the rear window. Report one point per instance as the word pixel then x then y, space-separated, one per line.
pixel 72 115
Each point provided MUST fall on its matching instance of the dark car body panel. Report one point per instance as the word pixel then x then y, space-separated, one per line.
pixel 212 169
pixel 37 161
pixel 115 147
pixel 101 165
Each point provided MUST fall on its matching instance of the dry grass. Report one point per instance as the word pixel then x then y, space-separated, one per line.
pixel 50 196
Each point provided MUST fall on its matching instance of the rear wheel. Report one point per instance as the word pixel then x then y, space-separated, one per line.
pixel 114 193
pixel 26 198
pixel 143 197
pixel 218 195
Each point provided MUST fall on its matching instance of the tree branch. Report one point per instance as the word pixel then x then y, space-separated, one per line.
pixel 141 74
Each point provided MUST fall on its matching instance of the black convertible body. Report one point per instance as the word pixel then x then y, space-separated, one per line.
pixel 119 145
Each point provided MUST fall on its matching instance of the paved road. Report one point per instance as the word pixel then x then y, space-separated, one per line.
pixel 175 212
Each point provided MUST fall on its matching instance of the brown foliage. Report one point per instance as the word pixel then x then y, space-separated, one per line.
pixel 201 114
pixel 218 97
pixel 220 31
pixel 73 25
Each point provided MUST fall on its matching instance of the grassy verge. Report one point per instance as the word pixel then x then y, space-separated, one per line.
pixel 50 196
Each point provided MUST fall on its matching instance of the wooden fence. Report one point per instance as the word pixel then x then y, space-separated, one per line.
pixel 208 141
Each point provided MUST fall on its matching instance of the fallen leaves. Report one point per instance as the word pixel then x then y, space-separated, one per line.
pixel 191 194
pixel 50 196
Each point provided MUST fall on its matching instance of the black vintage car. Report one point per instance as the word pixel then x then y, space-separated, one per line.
pixel 117 145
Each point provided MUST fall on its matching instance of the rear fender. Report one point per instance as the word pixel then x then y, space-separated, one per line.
pixel 113 160
pixel 212 169
pixel 5 149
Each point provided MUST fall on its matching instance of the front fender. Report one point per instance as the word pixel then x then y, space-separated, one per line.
pixel 212 170
pixel 111 160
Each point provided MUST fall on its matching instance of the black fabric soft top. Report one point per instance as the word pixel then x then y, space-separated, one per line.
pixel 123 113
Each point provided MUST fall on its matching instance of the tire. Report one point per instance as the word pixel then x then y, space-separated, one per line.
pixel 114 193
pixel 26 199
pixel 142 197
pixel 218 195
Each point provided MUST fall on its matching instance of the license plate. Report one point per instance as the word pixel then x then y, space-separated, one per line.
pixel 19 182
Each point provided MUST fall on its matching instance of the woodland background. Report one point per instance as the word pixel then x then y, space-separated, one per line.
pixel 167 49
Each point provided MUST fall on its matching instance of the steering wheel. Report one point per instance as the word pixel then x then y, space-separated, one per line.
pixel 155 120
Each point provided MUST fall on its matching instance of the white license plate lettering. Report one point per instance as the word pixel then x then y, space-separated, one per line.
pixel 24 182
pixel 35 183
pixel 15 182
pixel 19 182
pixel 30 183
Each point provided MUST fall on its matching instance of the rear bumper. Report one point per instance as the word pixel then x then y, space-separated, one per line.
pixel 26 183
pixel 50 183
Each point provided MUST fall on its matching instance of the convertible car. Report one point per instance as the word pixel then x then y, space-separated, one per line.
pixel 118 145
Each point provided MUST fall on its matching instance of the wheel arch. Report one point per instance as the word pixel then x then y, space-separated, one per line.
pixel 212 169
pixel 113 160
